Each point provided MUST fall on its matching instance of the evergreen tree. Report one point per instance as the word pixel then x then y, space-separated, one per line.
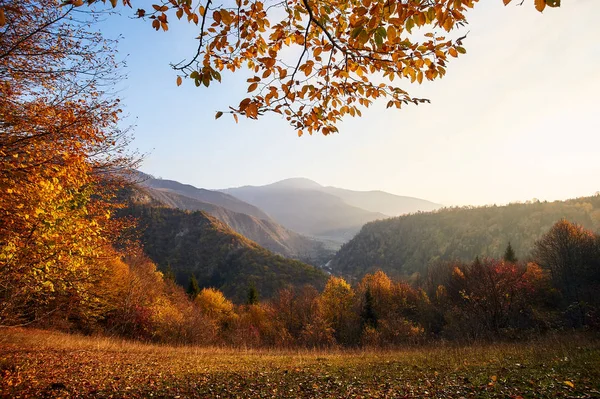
pixel 252 295
pixel 368 315
pixel 169 274
pixel 509 254
pixel 193 288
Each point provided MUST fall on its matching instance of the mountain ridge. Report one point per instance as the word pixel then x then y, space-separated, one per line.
pixel 196 243
pixel 265 232
pixel 309 208
pixel 408 244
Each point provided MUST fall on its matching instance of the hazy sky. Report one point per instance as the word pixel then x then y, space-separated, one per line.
pixel 516 118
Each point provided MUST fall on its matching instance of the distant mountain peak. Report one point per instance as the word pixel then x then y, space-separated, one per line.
pixel 300 183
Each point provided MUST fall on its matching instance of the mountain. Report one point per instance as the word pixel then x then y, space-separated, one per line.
pixel 380 201
pixel 325 212
pixel 261 229
pixel 264 232
pixel 195 243
pixel 404 245
pixel 208 196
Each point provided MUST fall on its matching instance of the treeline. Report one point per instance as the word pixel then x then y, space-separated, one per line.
pixel 485 299
pixel 480 300
pixel 406 245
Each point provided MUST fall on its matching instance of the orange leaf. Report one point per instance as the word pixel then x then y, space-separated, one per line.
pixel 179 80
pixel 540 5
pixel 226 17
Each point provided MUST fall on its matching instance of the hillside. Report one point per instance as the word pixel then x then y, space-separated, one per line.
pixel 195 243
pixel 325 212
pixel 380 201
pixel 264 232
pixel 208 196
pixel 403 245
pixel 309 212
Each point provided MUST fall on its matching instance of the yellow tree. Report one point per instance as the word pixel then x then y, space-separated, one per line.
pixel 337 301
pixel 59 147
pixel 316 61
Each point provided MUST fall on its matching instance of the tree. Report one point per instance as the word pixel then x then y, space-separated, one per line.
pixel 572 255
pixel 509 254
pixel 193 288
pixel 368 316
pixel 59 150
pixel 337 300
pixel 315 62
pixel 252 295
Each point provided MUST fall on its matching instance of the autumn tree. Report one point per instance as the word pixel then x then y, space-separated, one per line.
pixel 61 156
pixel 572 255
pixel 337 301
pixel 316 62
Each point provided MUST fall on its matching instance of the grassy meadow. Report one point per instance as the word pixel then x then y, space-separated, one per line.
pixel 35 363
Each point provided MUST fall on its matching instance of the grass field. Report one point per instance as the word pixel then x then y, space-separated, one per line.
pixel 37 363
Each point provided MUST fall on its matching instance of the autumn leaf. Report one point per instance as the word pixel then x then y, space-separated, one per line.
pixel 540 5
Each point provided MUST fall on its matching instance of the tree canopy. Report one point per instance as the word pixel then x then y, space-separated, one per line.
pixel 59 144
pixel 315 62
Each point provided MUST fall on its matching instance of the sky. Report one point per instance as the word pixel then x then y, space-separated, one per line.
pixel 514 119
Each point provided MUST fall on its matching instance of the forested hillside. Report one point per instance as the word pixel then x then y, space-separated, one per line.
pixel 407 244
pixel 264 232
pixel 197 244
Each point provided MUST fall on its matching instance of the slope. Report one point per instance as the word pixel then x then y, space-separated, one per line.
pixel 195 243
pixel 264 232
pixel 307 210
pixel 380 201
pixel 407 244
pixel 326 212
pixel 208 196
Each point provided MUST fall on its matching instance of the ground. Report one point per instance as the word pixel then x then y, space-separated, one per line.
pixel 36 363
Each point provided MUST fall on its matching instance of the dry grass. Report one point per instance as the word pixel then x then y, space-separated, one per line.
pixel 37 363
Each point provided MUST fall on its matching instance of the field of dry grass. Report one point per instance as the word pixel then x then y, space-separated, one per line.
pixel 37 363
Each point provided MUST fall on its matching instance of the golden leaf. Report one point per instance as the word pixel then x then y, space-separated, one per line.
pixel 540 5
pixel 226 17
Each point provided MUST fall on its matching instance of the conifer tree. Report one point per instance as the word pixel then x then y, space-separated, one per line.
pixel 252 295
pixel 369 317
pixel 193 288
pixel 509 254
pixel 169 274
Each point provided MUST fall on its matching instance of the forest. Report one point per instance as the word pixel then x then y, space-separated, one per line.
pixel 77 256
pixel 106 294
pixel 405 246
